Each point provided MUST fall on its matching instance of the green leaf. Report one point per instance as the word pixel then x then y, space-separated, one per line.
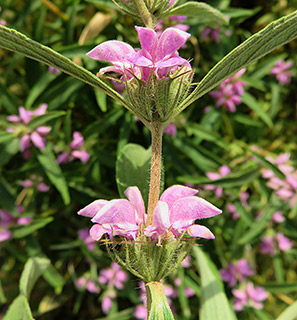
pixel 101 100
pixel 253 104
pixel 22 231
pixel 257 228
pixel 8 150
pixel 54 173
pixel 19 310
pixel 33 269
pixel 280 287
pixel 271 37
pixel 214 303
pixel 13 40
pixel 197 9
pixel 40 120
pixel 268 165
pixel 7 200
pixel 5 136
pixel 133 169
pixel 289 313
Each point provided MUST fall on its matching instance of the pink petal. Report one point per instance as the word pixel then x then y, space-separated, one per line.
pixel 192 208
pixel 97 231
pixel 5 235
pixel 37 140
pixel 24 220
pixel 42 187
pixel 40 110
pixel 170 41
pixel 93 208
pixel 148 40
pixel 112 51
pixel 172 62
pixel 27 183
pixel 134 196
pixel 25 115
pixel 176 192
pixel 25 143
pixel 13 118
pixel 139 60
pixel 224 170
pixel 77 141
pixel 43 130
pixel 213 175
pixel 63 158
pixel 118 212
pixel 200 231
pixel 82 155
pixel 161 217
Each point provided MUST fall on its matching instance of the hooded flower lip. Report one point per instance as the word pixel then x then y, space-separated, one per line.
pixel 157 53
pixel 174 215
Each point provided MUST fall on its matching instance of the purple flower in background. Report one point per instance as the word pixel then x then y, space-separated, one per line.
pixel 285 188
pixel 223 172
pixel 36 182
pixel 236 272
pixel 231 208
pixel 174 215
pixel 230 91
pixel 76 150
pixel 53 70
pixel 84 283
pixel 158 54
pixel 281 72
pixel 250 296
pixel 21 128
pixel 268 245
pixel 170 129
pixel 84 235
pixel 213 33
pixel 113 277
pixel 2 21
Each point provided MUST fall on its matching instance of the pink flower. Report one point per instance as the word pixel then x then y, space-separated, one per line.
pixel 35 182
pixel 281 72
pixel 83 283
pixel 76 150
pixel 250 296
pixel 268 245
pixel 5 235
pixel 158 54
pixel 213 33
pixel 223 172
pixel 174 215
pixel 170 129
pixel 53 70
pixel 236 271
pixel 25 133
pixel 84 235
pixel 231 208
pixel 230 91
pixel 113 276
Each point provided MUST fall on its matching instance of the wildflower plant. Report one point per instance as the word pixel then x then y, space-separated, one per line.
pixel 150 233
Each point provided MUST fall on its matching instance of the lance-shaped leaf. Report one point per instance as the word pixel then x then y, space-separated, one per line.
pixel 197 9
pixel 13 40
pixel 271 37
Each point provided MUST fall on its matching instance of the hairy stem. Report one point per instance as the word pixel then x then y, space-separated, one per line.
pixel 156 159
pixel 144 13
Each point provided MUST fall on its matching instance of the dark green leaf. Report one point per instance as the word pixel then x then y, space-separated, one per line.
pixel 25 230
pixel 54 173
pixel 42 119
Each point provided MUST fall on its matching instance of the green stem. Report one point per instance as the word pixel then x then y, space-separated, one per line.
pixel 144 13
pixel 155 178
pixel 157 304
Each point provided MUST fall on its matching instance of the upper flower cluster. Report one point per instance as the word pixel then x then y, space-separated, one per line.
pixel 281 71
pixel 158 54
pixel 174 215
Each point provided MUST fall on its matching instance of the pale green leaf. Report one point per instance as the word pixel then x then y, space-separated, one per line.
pixel 214 303
pixel 19 310
pixel 198 10
pixel 289 313
pixel 33 269
pixel 271 37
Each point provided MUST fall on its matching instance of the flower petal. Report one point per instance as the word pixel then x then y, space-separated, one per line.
pixel 119 212
pixel 25 143
pixel 25 115
pixel 200 231
pixel 93 208
pixel 112 51
pixel 134 196
pixel 37 140
pixel 176 192
pixel 97 231
pixel 192 208
pixel 148 40
pixel 170 41
pixel 161 217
